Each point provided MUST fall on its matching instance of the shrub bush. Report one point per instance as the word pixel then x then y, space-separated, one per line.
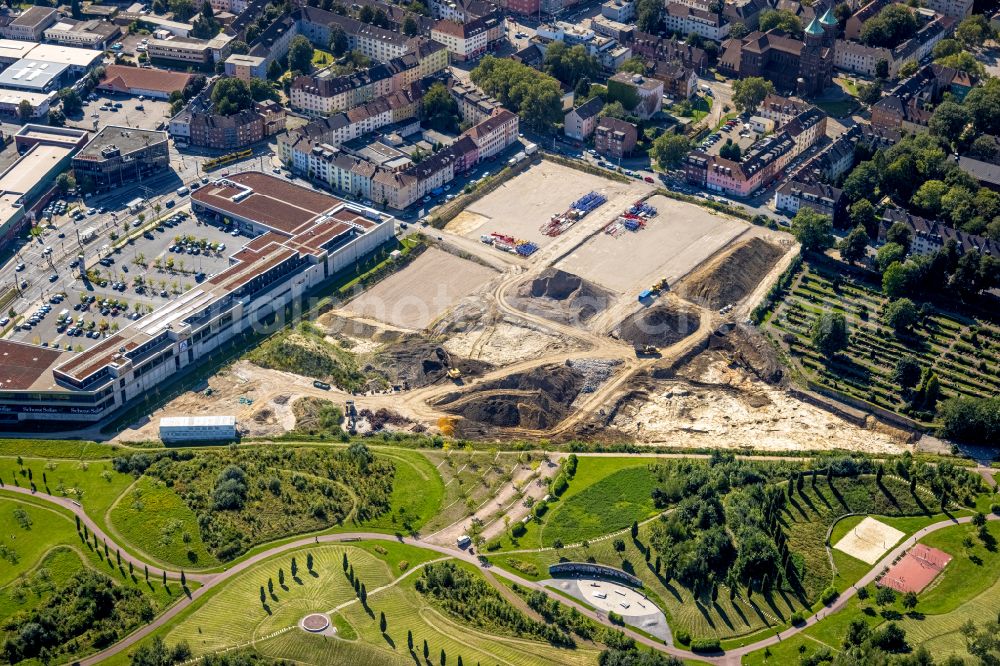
pixel 615 618
pixel 706 645
pixel 683 637
pixel 828 595
pixel 559 485
pixel 518 530
pixel 797 618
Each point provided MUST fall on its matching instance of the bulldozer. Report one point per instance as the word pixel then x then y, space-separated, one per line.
pixel 454 373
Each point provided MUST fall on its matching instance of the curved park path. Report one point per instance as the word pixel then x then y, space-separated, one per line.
pixel 209 581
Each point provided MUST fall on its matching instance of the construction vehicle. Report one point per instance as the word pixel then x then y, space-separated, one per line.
pixel 661 285
pixel 646 350
pixel 454 373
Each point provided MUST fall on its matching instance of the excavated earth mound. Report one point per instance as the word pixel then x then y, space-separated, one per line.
pixel 561 297
pixel 536 400
pixel 730 277
pixel 416 362
pixel 661 325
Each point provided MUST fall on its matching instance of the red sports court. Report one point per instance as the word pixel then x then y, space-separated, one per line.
pixel 916 569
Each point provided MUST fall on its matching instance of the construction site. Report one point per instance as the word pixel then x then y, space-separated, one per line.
pixel 625 322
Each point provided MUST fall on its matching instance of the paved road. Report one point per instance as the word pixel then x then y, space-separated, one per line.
pixel 209 581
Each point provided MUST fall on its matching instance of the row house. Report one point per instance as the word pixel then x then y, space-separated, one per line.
pixel 474 106
pixel 199 125
pixel 852 56
pixel 495 134
pixel 321 95
pixel 653 48
pixel 763 164
pixel 374 42
pixel 824 199
pixel 295 147
pixel 683 19
pixel 909 105
pixel 464 41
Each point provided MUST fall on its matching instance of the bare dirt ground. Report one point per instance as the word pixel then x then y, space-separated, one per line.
pixel 523 204
pixel 673 243
pixel 417 295
pixel 717 405
pixel 539 361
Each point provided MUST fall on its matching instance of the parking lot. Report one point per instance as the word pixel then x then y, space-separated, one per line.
pixel 105 110
pixel 734 129
pixel 138 277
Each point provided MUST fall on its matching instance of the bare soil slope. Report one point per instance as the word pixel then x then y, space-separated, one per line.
pixel 731 276
pixel 661 325
pixel 561 297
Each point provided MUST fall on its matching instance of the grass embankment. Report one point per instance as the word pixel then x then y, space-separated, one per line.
pixel 43 551
pixel 961 351
pixel 806 520
pixel 304 350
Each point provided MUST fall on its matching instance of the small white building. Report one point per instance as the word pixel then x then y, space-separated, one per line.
pixel 197 428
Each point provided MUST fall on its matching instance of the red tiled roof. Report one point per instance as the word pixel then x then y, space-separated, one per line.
pixel 120 77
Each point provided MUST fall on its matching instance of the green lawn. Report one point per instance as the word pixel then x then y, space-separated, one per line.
pixel 46 554
pixel 417 492
pixel 155 520
pixel 93 483
pixel 965 590
pixel 56 448
pixel 609 505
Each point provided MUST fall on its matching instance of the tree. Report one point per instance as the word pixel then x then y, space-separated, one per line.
pixel 239 47
pixel 410 27
pixel 613 110
pixel 261 90
pixel 535 97
pixel 669 150
pixel 300 54
pixel 974 30
pixel 71 102
pixel 231 95
pixel 907 372
pixel 852 248
pixel 295 568
pixel 910 600
pixel 65 183
pixel 439 109
pixel 183 579
pixel 263 595
pixel 635 529
pixel 900 234
pixel 182 9
pixel 731 151
pixel 899 279
pixel 345 563
pixel 949 120
pixel 973 420
pixel 829 334
pixel 339 44
pixel 900 315
pixel 928 197
pixel 748 93
pixel 869 93
pixel 813 230
pixel 569 64
pixel 427 650
pixel 862 213
pixel 409 639
pixel 634 65
pixel 863 182
pixel 281 576
pixel 382 625
pixel 984 148
pixel 882 68
pixel 647 15
pixel 25 110
pixel 890 27
pixel 885 596
pixel 782 19
pixel 983 102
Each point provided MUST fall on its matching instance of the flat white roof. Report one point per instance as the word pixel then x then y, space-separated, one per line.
pixel 65 54
pixel 15 48
pixel 14 97
pixel 36 164
pixel 196 421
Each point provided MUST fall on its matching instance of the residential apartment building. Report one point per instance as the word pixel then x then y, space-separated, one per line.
pixel 615 138
pixel 495 134
pixel 246 67
pixel 295 147
pixel 679 82
pixel 199 125
pixel 197 53
pixel 641 96
pixel 765 162
pixel 474 106
pixel 31 24
pixel 852 56
pixel 464 41
pixel 655 49
pixel 685 19
pixel 581 122
pixel 824 199
pixel 956 9
pixel 929 236
pixel 908 106
pixel 622 11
